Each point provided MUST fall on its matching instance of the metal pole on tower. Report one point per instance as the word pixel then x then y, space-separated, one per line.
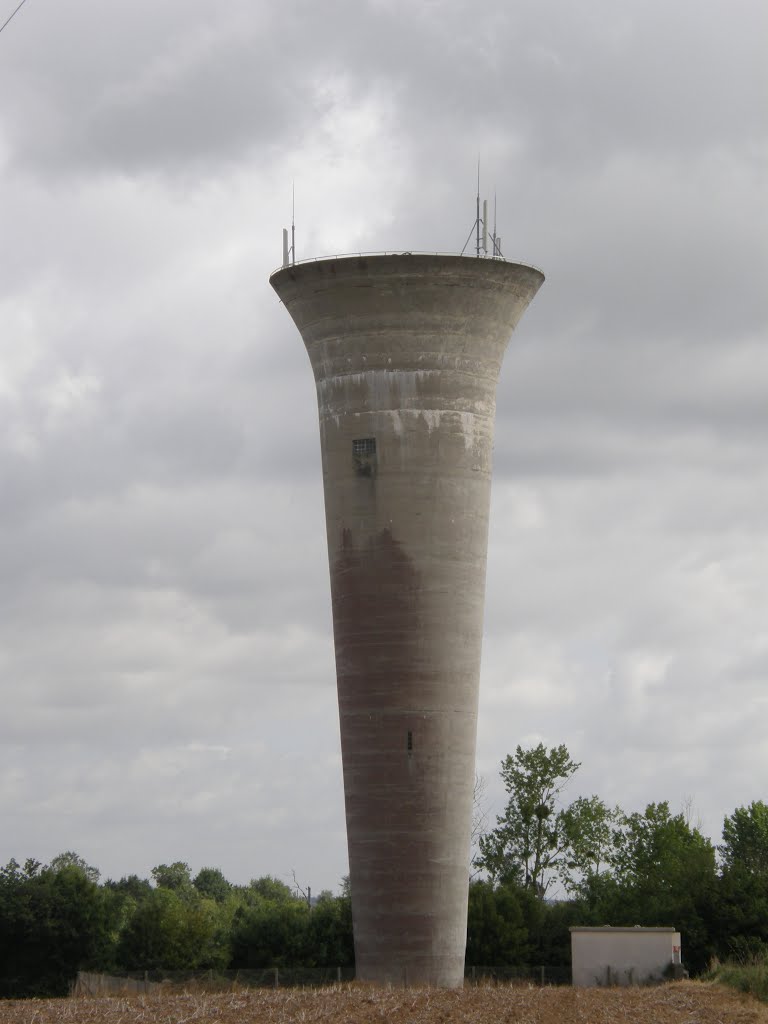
pixel 293 225
pixel 477 219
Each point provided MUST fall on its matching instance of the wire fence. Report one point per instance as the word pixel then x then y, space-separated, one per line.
pixel 540 975
pixel 154 982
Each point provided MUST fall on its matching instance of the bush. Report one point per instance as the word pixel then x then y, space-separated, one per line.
pixel 751 977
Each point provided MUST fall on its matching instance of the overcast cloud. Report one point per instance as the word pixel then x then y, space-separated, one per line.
pixel 166 667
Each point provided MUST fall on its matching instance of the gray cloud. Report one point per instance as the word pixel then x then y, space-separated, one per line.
pixel 165 649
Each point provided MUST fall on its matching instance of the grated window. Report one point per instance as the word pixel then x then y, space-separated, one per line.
pixel 364 446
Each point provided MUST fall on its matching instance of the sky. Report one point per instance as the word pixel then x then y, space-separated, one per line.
pixel 167 681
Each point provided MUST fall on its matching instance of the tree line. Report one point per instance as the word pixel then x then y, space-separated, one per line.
pixel 608 867
pixel 59 918
pixel 545 866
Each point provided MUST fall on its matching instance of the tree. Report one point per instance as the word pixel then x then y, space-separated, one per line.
pixel 496 932
pixel 133 886
pixel 738 918
pixel 174 876
pixel 658 852
pixel 589 828
pixel 665 874
pixel 211 882
pixel 528 841
pixel 52 924
pixel 173 931
pixel 71 859
pixel 745 839
pixel 270 888
pixel 329 939
pixel 271 934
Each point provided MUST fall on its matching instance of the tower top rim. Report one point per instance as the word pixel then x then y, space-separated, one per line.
pixel 418 257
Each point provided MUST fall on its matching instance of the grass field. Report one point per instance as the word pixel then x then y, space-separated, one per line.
pixel 686 1002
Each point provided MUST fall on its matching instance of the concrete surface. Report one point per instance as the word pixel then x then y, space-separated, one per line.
pixel 406 352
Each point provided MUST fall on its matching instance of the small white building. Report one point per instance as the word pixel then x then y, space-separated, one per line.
pixel 624 956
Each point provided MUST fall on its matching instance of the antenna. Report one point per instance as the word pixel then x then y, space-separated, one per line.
pixel 480 227
pixel 293 220
pixel 477 219
pixel 496 239
pixel 289 252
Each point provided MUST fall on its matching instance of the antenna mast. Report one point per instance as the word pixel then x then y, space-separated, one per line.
pixel 477 218
pixel 289 252
pixel 480 227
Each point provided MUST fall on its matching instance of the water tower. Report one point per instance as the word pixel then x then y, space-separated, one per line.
pixel 406 351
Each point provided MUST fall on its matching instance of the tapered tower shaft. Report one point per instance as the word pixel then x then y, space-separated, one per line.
pixel 406 352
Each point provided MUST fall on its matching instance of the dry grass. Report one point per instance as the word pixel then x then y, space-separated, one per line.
pixel 686 1002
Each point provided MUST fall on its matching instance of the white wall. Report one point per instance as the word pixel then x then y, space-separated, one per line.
pixel 622 956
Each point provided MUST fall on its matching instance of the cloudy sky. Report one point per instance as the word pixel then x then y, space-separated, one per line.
pixel 166 667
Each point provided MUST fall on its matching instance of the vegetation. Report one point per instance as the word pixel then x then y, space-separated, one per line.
pixel 528 842
pixel 681 1003
pixel 751 978
pixel 649 868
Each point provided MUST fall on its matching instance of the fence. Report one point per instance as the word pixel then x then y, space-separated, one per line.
pixel 154 982
pixel 518 975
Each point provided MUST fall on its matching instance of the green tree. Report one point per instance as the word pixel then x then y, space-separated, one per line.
pixel 738 921
pixel 269 888
pixel 271 934
pixel 211 882
pixel 52 924
pixel 175 877
pixel 173 931
pixel 658 852
pixel 329 933
pixel 588 829
pixel 131 885
pixel 496 931
pixel 527 844
pixel 665 875
pixel 71 859
pixel 549 936
pixel 745 839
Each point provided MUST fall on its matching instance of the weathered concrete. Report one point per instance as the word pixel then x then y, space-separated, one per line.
pixel 406 352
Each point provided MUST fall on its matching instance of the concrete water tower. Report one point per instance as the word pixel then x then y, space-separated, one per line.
pixel 406 352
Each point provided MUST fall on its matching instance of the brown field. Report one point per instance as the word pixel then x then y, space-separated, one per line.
pixel 686 1002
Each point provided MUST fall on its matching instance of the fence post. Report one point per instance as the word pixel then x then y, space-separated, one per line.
pixel 146 981
pixel 474 975
pixel 543 973
pixel 277 978
pixel 338 974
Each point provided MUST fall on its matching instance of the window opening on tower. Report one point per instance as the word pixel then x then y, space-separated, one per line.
pixel 364 446
pixel 364 456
